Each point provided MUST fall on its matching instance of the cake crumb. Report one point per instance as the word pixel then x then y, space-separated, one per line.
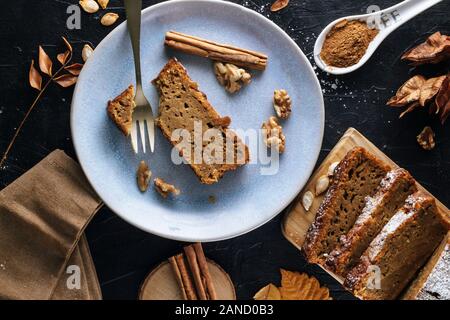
pixel 212 199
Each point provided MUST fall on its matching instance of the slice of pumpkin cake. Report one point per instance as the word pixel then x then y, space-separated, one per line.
pixel 182 106
pixel 399 250
pixel 121 108
pixel 356 176
pixel 390 196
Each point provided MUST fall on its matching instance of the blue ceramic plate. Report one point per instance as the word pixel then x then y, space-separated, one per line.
pixel 244 199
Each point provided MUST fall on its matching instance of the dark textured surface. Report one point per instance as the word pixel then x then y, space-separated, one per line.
pixel 123 254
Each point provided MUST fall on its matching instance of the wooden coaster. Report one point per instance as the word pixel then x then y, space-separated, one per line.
pixel 161 284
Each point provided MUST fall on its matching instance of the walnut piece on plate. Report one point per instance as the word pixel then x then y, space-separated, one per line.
pixel 426 138
pixel 143 176
pixel 273 135
pixel 165 188
pixel 231 77
pixel 282 103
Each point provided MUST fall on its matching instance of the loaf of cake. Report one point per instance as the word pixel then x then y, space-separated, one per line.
pixel 390 196
pixel 355 177
pixel 120 110
pixel 398 251
pixel 433 281
pixel 183 106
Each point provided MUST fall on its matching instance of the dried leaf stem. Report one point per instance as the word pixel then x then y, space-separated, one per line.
pixel 27 114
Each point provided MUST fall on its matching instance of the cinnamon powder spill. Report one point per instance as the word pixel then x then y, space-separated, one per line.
pixel 346 43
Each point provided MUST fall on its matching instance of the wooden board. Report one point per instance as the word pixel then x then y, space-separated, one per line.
pixel 297 221
pixel 161 284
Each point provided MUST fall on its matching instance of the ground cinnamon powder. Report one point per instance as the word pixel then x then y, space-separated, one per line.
pixel 346 43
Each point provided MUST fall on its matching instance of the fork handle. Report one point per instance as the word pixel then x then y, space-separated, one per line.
pixel 133 10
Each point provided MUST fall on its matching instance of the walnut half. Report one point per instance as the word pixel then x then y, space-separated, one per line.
pixel 282 103
pixel 231 77
pixel 165 188
pixel 143 176
pixel 273 135
pixel 426 138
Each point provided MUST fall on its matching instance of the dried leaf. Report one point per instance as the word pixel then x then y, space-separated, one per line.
pixel 67 43
pixel 35 77
pixel 62 57
pixel 299 286
pixel 278 5
pixel 66 80
pixel 409 92
pixel 269 292
pixel 45 63
pixel 412 107
pixel 442 100
pixel 75 68
pixel 429 89
pixel 435 49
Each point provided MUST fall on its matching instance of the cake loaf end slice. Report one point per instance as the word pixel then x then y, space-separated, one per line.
pixel 433 281
pixel 121 108
pixel 398 251
pixel 390 196
pixel 355 177
pixel 182 106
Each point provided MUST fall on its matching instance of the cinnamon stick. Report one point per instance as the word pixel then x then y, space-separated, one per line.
pixel 183 277
pixel 196 273
pixel 216 51
pixel 203 264
pixel 178 277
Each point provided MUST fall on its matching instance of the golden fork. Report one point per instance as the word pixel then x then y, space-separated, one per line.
pixel 143 114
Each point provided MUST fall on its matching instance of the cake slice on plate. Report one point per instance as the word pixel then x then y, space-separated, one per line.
pixel 184 109
pixel 390 196
pixel 399 250
pixel 120 110
pixel 356 176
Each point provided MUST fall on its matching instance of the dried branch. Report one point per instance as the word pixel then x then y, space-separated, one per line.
pixel 35 79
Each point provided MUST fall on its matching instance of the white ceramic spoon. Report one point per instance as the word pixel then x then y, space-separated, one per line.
pixel 386 21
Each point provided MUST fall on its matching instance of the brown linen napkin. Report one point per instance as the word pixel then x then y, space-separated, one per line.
pixel 90 287
pixel 42 217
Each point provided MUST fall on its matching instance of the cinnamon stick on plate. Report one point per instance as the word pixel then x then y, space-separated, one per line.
pixel 216 51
